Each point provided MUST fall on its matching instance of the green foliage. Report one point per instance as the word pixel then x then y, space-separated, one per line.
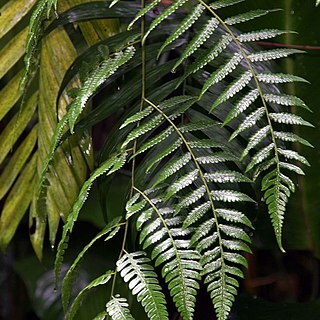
pixel 197 129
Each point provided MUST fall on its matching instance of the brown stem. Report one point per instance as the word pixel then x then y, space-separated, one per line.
pixel 289 46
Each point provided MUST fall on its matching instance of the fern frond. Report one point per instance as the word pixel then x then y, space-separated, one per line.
pixel 109 166
pixel 94 81
pixel 39 14
pixel 79 298
pixel 117 309
pixel 111 230
pixel 180 264
pixel 142 280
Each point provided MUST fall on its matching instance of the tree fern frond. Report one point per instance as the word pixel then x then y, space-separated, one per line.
pixel 182 183
pixel 142 12
pixel 233 89
pixel 284 100
pixel 255 139
pixel 117 308
pixel 173 166
pixel 209 55
pixel 39 14
pixel 177 259
pixel 260 156
pixel 221 72
pixel 290 154
pixel 155 140
pixel 142 280
pixel 226 176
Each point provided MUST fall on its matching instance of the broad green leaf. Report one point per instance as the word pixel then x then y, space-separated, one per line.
pixel 17 202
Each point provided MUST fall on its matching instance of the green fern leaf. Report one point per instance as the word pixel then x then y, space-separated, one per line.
pixel 180 264
pixel 248 122
pixel 260 156
pixel 117 309
pixel 279 78
pixel 217 158
pixel 242 105
pixel 196 214
pixel 164 15
pixel 165 152
pixel 247 16
pixel 224 3
pixel 221 72
pixel 289 118
pixel 226 176
pixel 183 26
pixel 229 196
pixel 112 228
pixel 291 167
pixel 291 137
pixel 142 12
pixel 285 100
pixel 272 54
pixel 172 167
pixel 198 40
pixel 255 139
pixel 182 183
pixel 94 81
pixel 233 89
pixel 142 280
pixel 208 56
pixel 290 154
pixel 137 117
pixel 95 283
pixel 105 168
pixel 260 35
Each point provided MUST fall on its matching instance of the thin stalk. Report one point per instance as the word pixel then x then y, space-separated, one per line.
pixel 134 148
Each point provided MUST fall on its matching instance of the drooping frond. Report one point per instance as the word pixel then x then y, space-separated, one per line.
pixel 117 309
pixel 108 167
pixel 92 83
pixel 250 86
pixel 39 14
pixel 186 182
pixel 135 268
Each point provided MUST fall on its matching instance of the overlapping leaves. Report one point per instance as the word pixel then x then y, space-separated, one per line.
pixel 187 205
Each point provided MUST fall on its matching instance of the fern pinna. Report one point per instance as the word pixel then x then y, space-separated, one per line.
pixel 182 144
